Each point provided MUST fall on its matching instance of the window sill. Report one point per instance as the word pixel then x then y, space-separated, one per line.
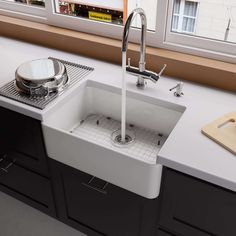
pixel 187 67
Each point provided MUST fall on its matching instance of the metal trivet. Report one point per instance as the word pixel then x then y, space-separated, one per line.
pixel 76 72
pixel 99 129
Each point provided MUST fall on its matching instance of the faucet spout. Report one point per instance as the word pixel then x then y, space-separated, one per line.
pixel 133 14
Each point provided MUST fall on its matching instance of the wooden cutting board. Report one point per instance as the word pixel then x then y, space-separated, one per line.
pixel 223 131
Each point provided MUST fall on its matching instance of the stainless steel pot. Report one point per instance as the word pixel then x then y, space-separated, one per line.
pixel 41 77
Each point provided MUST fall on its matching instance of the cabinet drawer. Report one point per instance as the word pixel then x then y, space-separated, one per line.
pixel 197 208
pixel 26 186
pixel 28 161
pixel 101 206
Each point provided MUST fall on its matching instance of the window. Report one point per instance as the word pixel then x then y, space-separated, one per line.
pixel 29 2
pixel 184 16
pixel 115 11
pixel 105 11
pixel 201 27
pixel 205 18
pixel 102 17
pixel 27 9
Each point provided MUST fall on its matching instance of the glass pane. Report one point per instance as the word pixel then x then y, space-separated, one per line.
pixel 29 2
pixel 115 12
pixel 190 8
pixel 176 6
pixel 175 23
pixel 206 18
pixel 188 25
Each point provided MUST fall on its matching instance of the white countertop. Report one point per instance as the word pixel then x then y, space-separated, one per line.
pixel 186 150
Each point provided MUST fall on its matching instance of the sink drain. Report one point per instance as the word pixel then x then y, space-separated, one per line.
pixel 129 138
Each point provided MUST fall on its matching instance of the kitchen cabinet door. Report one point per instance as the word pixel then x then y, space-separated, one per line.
pixel 22 140
pixel 84 200
pixel 162 232
pixel 197 208
pixel 26 186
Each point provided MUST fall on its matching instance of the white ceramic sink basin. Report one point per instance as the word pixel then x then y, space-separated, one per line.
pixel 78 133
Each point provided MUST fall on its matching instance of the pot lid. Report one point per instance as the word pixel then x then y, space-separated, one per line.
pixel 41 70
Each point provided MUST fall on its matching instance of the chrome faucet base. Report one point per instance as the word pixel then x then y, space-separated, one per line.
pixel 140 86
pixel 141 83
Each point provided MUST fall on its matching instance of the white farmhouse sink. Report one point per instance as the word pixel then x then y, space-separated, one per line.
pixel 77 133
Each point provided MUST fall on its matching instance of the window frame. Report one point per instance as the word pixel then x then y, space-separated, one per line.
pixel 196 45
pixel 100 28
pixel 162 37
pixel 23 11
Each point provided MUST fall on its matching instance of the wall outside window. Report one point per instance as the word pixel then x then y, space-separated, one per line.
pixel 206 18
pixel 215 17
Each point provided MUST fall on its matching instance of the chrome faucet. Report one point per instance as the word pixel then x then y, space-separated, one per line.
pixel 141 72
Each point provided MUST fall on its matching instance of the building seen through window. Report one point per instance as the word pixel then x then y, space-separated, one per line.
pixel 94 12
pixel 115 12
pixel 205 18
pixel 29 2
pixel 184 16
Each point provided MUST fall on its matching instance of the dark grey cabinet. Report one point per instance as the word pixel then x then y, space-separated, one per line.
pixel 24 170
pixel 28 187
pixel 186 205
pixel 193 207
pixel 22 141
pixel 86 202
pixel 162 232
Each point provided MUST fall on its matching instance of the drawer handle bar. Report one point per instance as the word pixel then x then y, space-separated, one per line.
pixel 100 190
pixel 3 158
pixel 6 168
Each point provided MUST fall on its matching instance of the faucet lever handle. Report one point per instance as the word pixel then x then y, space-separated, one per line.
pixel 173 87
pixel 129 60
pixel 162 70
